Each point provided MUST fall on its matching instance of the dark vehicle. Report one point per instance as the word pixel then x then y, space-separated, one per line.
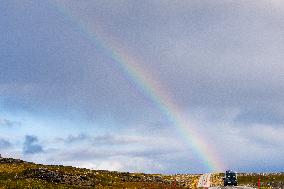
pixel 230 178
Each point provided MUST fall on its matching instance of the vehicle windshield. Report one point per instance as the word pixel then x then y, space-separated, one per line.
pixel 230 175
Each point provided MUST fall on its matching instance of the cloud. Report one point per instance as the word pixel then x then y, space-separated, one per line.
pixel 8 123
pixel 31 145
pixel 265 136
pixel 199 67
pixel 261 115
pixel 116 151
pixel 106 139
pixel 71 138
pixel 220 62
pixel 119 159
pixel 5 144
pixel 113 140
pixel 260 143
pixel 126 164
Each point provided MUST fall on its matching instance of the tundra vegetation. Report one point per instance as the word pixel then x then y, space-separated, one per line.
pixel 15 173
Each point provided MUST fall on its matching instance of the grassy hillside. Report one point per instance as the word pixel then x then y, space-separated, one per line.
pixel 20 174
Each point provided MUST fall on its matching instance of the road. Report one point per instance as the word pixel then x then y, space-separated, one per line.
pixel 204 182
pixel 231 187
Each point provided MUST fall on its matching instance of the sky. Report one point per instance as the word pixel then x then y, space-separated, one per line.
pixel 143 86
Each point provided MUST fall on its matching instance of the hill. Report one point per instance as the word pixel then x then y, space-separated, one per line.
pixel 15 173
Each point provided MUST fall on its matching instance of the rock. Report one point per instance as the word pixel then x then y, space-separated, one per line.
pixel 57 177
pixel 10 161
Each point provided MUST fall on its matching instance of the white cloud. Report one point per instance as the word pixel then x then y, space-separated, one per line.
pixel 101 165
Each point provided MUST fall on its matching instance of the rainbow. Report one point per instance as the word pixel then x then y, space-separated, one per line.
pixel 151 88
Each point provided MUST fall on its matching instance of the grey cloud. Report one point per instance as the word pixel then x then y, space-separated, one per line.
pixel 71 138
pixel 31 145
pixel 5 144
pixel 101 153
pixel 114 140
pixel 219 59
pixel 8 123
pixel 205 54
pixel 106 139
pixel 261 115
